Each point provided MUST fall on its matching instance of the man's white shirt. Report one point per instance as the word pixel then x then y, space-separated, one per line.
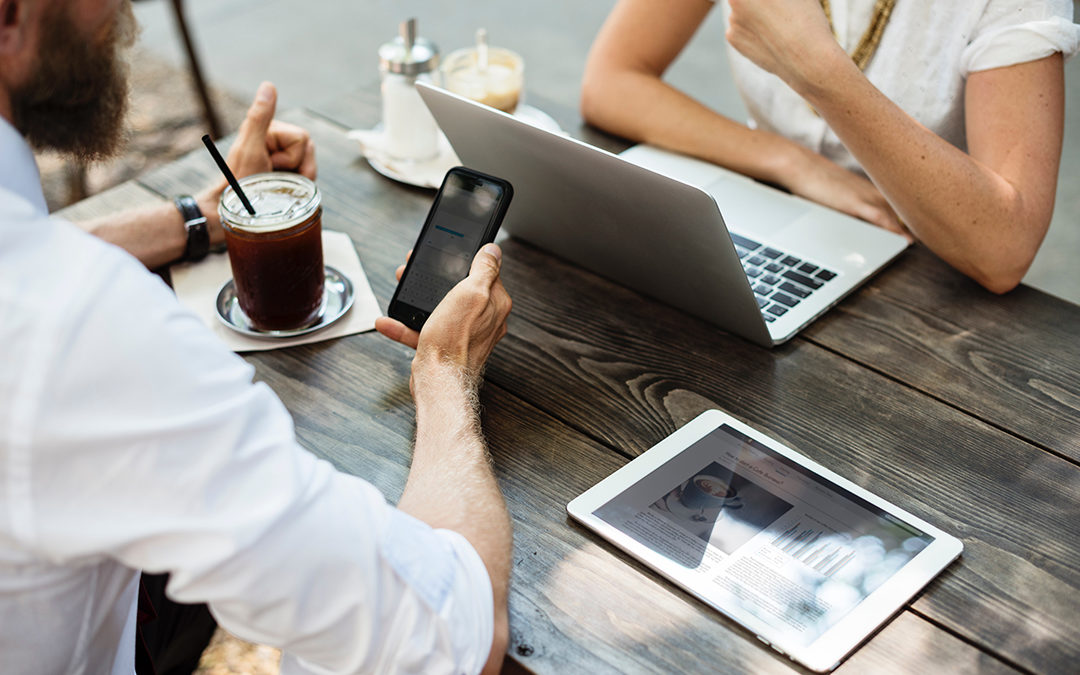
pixel 131 439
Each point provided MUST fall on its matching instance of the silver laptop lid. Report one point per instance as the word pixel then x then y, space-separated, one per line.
pixel 654 234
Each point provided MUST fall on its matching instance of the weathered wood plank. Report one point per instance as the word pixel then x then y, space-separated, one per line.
pixel 577 604
pixel 639 370
pixel 1010 360
pixel 124 196
pixel 908 643
pixel 627 371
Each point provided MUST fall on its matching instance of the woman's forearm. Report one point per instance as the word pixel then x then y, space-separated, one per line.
pixel 641 107
pixel 985 213
pixel 624 93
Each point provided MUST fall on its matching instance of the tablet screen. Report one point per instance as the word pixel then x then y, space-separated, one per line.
pixel 765 537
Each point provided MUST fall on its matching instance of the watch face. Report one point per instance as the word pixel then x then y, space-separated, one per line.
pixel 198 240
pixel 198 237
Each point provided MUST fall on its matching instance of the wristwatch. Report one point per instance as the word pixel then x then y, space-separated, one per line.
pixel 198 237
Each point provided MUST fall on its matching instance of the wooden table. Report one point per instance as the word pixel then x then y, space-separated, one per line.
pixel 958 405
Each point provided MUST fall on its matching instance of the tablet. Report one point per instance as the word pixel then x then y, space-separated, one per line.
pixel 809 562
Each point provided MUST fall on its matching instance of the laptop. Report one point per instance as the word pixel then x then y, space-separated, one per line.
pixel 751 259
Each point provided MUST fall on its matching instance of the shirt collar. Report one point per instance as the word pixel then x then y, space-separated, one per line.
pixel 18 170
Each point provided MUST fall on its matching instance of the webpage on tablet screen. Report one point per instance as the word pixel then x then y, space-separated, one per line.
pixel 767 537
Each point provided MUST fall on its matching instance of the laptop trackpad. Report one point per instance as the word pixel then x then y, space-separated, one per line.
pixel 749 207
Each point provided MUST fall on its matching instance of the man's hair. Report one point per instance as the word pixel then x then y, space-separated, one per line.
pixel 76 97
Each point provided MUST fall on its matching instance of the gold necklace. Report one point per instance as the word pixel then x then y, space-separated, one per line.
pixel 868 44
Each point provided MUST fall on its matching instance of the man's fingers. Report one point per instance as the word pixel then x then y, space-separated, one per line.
pixel 259 115
pixel 308 167
pixel 289 146
pixel 249 154
pixel 485 265
pixel 298 157
pixel 401 268
pixel 397 331
pixel 281 135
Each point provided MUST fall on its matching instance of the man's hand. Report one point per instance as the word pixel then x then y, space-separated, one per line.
pixel 466 325
pixel 265 144
pixel 262 144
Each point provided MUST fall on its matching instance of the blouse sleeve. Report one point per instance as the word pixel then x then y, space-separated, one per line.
pixel 1018 31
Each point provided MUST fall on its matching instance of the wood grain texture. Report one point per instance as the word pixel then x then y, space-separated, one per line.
pixel 577 605
pixel 1010 360
pixel 618 372
pixel 639 370
pixel 908 643
pixel 123 196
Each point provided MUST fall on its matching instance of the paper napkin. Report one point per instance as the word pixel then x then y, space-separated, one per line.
pixel 197 286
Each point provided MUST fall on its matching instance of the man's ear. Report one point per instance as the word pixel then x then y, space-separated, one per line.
pixel 13 24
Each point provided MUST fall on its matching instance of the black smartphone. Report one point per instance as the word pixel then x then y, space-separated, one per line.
pixel 465 215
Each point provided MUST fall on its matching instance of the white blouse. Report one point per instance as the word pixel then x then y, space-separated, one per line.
pixel 926 51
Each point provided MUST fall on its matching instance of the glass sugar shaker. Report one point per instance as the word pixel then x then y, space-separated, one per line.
pixel 410 132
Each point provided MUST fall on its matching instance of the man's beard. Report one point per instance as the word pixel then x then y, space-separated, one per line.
pixel 76 99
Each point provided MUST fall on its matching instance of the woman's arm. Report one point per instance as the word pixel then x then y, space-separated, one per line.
pixel 623 93
pixel 984 212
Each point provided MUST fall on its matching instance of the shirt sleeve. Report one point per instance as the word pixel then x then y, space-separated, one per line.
pixel 152 446
pixel 1018 31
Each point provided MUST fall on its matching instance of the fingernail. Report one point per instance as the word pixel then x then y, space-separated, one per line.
pixel 265 93
pixel 493 250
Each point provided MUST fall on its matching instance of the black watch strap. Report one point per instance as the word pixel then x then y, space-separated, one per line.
pixel 198 236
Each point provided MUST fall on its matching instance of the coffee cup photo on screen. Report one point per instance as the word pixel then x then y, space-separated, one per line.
pixel 720 507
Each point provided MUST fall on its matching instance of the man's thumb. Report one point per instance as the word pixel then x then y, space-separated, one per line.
pixel 261 112
pixel 487 262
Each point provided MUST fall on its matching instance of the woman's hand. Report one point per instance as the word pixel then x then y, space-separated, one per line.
pixel 784 37
pixel 820 180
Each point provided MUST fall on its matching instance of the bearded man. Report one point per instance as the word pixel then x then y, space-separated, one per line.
pixel 134 440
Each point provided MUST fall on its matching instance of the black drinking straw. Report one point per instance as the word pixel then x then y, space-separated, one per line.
pixel 228 174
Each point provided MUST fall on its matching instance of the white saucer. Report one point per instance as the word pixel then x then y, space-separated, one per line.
pixel 338 297
pixel 538 118
pixel 424 173
pixel 430 173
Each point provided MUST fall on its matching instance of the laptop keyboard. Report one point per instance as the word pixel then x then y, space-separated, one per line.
pixel 780 281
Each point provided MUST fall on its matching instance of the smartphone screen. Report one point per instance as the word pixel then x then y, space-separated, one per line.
pixel 465 215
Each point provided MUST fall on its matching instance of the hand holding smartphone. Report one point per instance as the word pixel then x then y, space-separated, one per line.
pixel 465 215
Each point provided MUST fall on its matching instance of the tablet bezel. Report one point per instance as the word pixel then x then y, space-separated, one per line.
pixel 829 649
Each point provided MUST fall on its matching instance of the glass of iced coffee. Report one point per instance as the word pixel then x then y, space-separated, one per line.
pixel 276 254
pixel 496 80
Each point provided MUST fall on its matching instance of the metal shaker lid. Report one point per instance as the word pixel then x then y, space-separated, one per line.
pixel 408 54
